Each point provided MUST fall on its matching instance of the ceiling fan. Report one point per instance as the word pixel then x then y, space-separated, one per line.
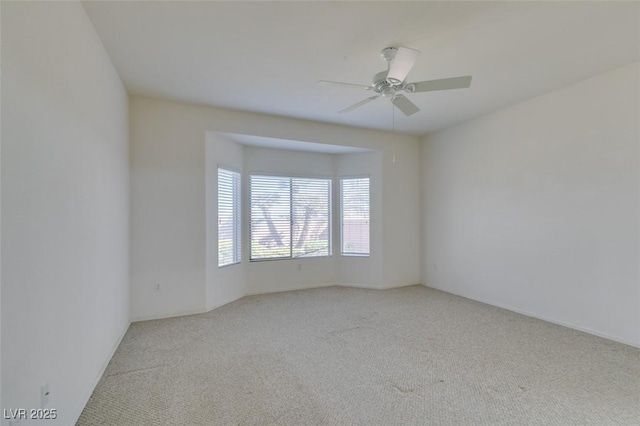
pixel 390 83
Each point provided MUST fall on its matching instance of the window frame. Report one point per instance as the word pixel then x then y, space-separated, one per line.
pixel 291 177
pixel 341 217
pixel 237 203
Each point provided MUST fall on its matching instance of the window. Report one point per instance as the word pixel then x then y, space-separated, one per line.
pixel 354 216
pixel 229 218
pixel 290 217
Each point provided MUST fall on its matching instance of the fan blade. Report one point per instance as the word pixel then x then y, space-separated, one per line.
pixel 405 105
pixel 338 83
pixel 442 84
pixel 359 104
pixel 401 65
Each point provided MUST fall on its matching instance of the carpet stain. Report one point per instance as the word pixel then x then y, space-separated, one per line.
pixel 402 389
pixel 343 330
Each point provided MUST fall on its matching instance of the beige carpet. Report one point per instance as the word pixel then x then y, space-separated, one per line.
pixel 344 356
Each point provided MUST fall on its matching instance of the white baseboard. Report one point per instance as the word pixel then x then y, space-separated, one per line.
pixel 367 286
pixel 392 286
pixel 375 287
pixel 290 288
pixel 225 302
pixel 296 288
pixel 542 317
pixel 270 291
pixel 99 375
pixel 172 315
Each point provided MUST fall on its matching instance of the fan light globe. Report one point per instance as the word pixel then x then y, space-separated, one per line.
pixel 388 92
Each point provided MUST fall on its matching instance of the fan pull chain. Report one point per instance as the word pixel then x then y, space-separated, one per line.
pixel 393 131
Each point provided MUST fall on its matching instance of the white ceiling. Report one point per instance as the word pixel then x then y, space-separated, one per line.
pixel 265 142
pixel 267 56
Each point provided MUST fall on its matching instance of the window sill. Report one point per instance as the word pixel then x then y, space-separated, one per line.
pixel 290 258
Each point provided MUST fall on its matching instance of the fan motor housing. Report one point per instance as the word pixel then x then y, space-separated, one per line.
pixel 380 81
pixel 383 86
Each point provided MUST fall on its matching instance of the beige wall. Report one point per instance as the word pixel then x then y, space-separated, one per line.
pixel 536 207
pixel 65 207
pixel 169 204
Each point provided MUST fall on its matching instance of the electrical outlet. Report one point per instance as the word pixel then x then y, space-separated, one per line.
pixel 157 287
pixel 44 395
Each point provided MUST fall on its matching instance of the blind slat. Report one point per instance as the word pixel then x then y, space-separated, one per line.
pixel 355 216
pixel 229 218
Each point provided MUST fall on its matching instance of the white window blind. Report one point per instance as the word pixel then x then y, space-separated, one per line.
pixel 354 216
pixel 229 218
pixel 311 216
pixel 290 217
